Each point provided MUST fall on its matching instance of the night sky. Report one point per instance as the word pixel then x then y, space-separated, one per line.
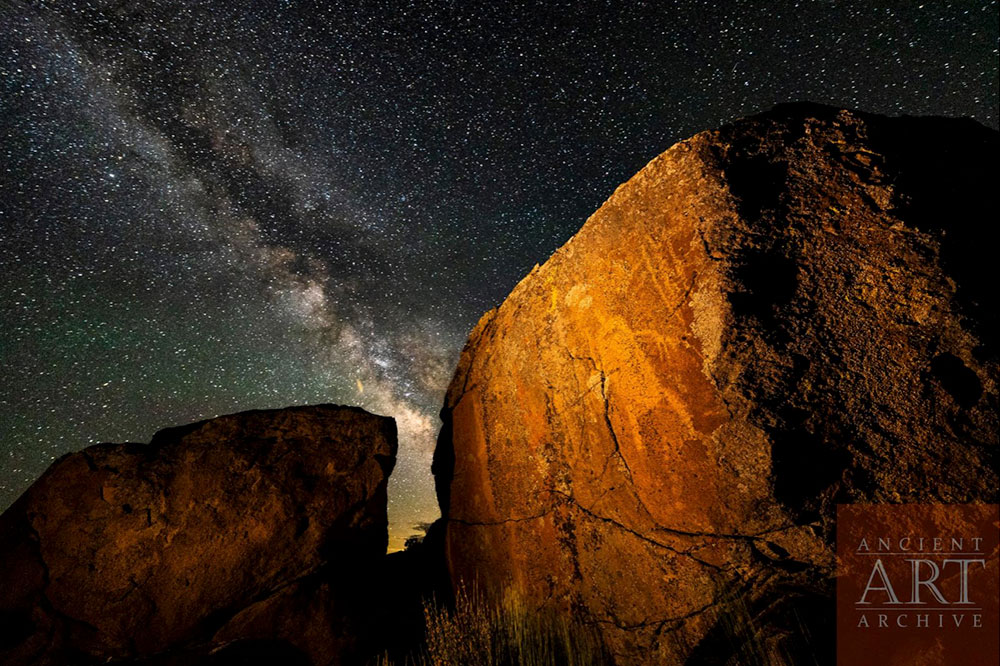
pixel 208 207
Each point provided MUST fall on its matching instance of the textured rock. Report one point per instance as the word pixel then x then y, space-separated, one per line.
pixel 232 528
pixel 792 311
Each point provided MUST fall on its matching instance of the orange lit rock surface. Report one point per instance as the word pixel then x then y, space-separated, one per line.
pixel 252 525
pixel 791 311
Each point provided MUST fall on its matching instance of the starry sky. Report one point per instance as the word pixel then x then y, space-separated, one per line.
pixel 208 207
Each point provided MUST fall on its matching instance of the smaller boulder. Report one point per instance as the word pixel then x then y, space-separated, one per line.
pixel 201 538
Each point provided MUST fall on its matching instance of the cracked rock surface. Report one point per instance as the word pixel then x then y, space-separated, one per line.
pixel 259 525
pixel 793 311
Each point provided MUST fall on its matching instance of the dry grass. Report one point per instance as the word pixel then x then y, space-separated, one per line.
pixel 510 633
pixel 747 639
pixel 507 633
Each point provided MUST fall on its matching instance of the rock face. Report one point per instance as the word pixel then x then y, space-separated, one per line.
pixel 792 311
pixel 251 526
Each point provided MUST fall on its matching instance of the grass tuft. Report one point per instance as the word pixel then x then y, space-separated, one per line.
pixel 506 633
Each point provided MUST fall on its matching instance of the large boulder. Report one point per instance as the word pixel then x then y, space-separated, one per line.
pixel 258 526
pixel 653 430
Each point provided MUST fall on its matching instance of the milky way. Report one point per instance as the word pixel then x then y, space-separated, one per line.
pixel 213 207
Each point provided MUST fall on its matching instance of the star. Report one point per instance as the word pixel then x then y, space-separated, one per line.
pixel 208 209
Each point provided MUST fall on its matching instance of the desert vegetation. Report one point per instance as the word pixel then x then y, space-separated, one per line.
pixel 507 632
